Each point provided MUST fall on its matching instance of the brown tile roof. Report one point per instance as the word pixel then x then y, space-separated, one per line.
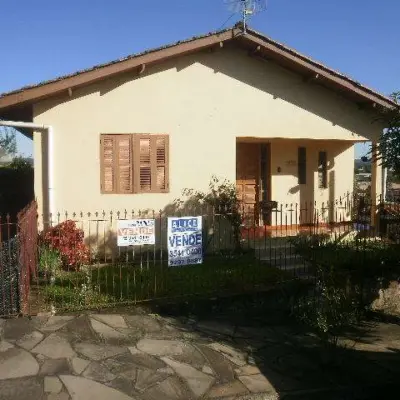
pixel 265 46
pixel 323 66
pixel 98 66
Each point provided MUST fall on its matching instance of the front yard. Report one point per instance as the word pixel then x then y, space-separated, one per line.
pixel 99 286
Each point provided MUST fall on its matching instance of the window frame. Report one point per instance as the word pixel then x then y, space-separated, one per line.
pixel 135 162
pixel 302 165
pixel 322 169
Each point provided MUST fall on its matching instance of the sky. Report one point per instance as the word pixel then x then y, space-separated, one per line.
pixel 43 39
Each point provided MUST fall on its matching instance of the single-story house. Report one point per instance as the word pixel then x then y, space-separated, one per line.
pixel 133 133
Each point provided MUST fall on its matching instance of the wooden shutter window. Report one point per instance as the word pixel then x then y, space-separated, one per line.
pixel 151 163
pixel 124 164
pixel 134 163
pixel 302 165
pixel 161 163
pixel 107 155
pixel 322 170
pixel 145 180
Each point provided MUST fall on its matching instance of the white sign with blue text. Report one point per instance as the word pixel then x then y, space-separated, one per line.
pixel 185 241
pixel 136 232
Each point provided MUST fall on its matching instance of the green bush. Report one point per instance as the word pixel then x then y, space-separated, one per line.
pixel 50 262
pixel 74 298
pixel 331 308
pixel 349 274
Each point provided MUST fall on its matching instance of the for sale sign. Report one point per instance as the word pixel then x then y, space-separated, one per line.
pixel 136 232
pixel 185 241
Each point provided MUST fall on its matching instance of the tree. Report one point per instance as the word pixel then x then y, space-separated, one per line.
pixel 8 142
pixel 389 141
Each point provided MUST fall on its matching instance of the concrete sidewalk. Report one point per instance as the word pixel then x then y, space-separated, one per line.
pixel 122 357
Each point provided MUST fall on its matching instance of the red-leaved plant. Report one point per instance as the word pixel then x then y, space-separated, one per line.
pixel 67 238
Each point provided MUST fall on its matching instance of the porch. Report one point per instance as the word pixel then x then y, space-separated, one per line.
pixel 297 182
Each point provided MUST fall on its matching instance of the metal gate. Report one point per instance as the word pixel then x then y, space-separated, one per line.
pixel 9 274
pixel 18 257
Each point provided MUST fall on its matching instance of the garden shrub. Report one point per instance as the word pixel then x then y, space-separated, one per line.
pixel 223 200
pixel 350 274
pixel 331 308
pixel 67 239
pixel 50 261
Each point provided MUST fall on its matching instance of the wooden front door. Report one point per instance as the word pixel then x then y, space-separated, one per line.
pixel 247 179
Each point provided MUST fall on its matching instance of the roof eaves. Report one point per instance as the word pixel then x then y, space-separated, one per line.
pixel 322 66
pixel 98 66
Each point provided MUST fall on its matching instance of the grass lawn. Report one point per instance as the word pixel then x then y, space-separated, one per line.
pixel 106 285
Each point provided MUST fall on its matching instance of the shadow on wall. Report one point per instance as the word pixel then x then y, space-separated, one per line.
pixel 288 86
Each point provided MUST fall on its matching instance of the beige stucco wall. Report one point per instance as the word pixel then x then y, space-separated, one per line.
pixel 204 102
pixel 293 196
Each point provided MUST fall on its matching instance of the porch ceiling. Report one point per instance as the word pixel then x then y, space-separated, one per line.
pixel 252 139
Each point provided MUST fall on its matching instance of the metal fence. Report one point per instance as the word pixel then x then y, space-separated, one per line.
pixel 10 274
pixel 71 261
pixel 18 260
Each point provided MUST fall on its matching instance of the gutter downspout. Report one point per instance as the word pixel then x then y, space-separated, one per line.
pixel 50 152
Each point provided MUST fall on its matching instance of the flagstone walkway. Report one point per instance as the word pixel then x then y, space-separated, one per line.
pixel 145 357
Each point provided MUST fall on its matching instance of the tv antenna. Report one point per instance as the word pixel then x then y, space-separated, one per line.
pixel 247 8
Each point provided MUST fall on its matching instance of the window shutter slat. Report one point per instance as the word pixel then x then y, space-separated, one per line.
pixel 161 183
pixel 160 143
pixel 145 180
pixel 124 177
pixel 161 161
pixel 108 160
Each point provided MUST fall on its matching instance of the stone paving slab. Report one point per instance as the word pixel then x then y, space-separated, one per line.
pixel 146 378
pixel 98 352
pixel 75 357
pixel 233 388
pixel 17 363
pixel 198 381
pixel 4 346
pixel 105 331
pixel 58 396
pixel 83 389
pixel 55 346
pixel 52 384
pixel 55 323
pixel 114 321
pixel 80 330
pixel 144 324
pixel 98 372
pixel 30 340
pixel 55 367
pixel 157 347
pixel 27 388
pixel 79 365
pixel 169 389
pixel 16 329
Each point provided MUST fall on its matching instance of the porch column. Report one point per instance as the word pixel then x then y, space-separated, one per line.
pixel 377 184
